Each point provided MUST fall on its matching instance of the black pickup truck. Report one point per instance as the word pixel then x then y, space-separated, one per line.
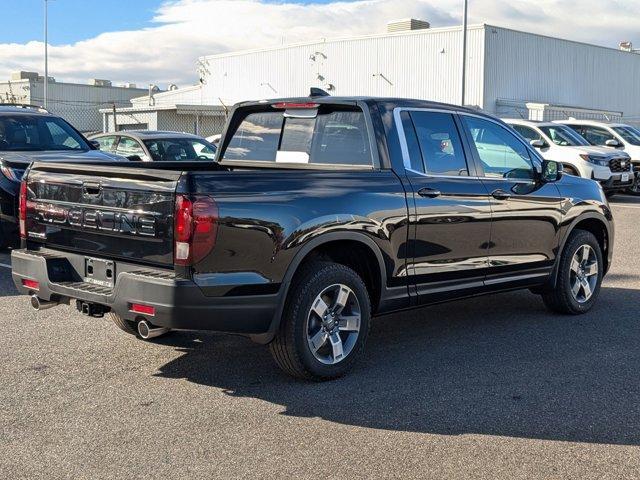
pixel 318 213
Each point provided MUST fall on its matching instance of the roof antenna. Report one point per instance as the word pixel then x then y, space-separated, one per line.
pixel 318 92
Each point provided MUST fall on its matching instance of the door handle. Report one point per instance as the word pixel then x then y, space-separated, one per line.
pixel 429 192
pixel 500 194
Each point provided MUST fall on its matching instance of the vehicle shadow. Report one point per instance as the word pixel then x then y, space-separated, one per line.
pixel 498 365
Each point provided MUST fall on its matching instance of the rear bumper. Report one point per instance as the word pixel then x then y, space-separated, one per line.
pixel 178 303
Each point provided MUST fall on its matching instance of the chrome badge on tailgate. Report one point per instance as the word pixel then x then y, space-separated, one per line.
pixel 122 222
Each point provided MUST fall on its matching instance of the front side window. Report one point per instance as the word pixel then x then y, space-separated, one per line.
pixel 500 152
pixel 180 150
pixel 629 134
pixel 38 133
pixel 328 136
pixel 439 143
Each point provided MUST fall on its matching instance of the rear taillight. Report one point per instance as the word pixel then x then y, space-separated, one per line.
pixel 294 105
pixel 195 228
pixel 22 210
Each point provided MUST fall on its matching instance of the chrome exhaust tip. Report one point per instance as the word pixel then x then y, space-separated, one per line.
pixel 147 331
pixel 39 304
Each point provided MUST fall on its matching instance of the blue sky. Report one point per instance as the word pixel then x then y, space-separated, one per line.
pixel 73 20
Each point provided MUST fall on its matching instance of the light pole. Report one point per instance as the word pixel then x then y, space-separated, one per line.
pixel 46 52
pixel 463 78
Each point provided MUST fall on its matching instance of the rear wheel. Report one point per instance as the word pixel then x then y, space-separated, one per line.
pixel 579 275
pixel 325 324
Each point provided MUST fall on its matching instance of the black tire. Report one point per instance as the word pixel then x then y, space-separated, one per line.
pixel 561 299
pixel 290 348
pixel 126 326
pixel 611 194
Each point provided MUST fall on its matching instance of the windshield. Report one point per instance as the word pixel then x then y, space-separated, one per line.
pixel 563 136
pixel 629 134
pixel 180 150
pixel 24 133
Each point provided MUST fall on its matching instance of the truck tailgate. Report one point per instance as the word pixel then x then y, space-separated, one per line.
pixel 103 210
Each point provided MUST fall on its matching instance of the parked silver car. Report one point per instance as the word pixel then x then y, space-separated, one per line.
pixel 156 146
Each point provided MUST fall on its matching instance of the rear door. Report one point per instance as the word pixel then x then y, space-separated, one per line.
pixel 103 211
pixel 526 213
pixel 451 217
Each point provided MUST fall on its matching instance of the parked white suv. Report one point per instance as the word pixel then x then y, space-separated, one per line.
pixel 612 168
pixel 614 136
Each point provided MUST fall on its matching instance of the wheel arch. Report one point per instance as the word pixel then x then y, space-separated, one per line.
pixel 591 222
pixel 332 246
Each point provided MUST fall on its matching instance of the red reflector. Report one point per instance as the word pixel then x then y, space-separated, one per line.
pixel 144 309
pixel 285 105
pixel 31 284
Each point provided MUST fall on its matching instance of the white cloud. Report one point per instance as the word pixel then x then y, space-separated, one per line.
pixel 186 29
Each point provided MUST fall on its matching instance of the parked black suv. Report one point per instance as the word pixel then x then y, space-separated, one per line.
pixel 29 133
pixel 319 213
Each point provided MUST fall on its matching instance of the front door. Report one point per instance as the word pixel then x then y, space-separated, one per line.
pixel 526 213
pixel 451 216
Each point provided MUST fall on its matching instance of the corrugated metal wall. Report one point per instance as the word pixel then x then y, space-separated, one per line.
pixel 422 64
pixel 527 67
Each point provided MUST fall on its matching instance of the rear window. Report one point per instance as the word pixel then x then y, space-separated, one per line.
pixel 330 135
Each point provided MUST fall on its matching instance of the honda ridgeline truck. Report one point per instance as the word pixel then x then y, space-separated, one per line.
pixel 317 214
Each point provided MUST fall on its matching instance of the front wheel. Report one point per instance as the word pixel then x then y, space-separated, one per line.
pixel 579 275
pixel 325 324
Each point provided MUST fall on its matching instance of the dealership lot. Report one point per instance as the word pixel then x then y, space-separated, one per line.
pixel 481 388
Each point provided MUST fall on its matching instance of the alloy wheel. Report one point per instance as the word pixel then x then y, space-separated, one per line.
pixel 333 324
pixel 584 273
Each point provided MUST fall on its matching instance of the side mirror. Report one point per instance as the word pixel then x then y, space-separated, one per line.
pixel 95 144
pixel 551 171
pixel 135 158
pixel 539 143
pixel 612 142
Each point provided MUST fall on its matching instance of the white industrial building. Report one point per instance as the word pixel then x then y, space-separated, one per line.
pixel 509 73
pixel 75 102
pixel 178 109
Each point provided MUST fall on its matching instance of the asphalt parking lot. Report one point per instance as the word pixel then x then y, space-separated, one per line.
pixel 493 387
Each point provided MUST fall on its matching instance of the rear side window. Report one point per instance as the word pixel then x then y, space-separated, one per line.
pixel 328 136
pixel 439 143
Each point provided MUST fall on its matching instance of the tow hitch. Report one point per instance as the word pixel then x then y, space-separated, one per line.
pixel 91 309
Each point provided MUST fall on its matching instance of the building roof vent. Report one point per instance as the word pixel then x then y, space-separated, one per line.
pixel 406 24
pixel 626 46
pixel 22 75
pixel 97 82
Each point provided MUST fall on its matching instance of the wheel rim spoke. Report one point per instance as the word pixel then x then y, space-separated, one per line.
pixel 575 289
pixel 320 307
pixel 585 253
pixel 342 299
pixel 591 269
pixel 318 340
pixel 349 323
pixel 575 265
pixel 586 287
pixel 336 346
